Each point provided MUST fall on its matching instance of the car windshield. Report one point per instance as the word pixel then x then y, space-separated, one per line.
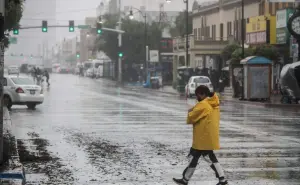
pixel 201 80
pixel 87 65
pixel 98 64
pixel 22 81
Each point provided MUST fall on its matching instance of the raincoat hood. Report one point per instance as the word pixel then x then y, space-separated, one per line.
pixel 214 101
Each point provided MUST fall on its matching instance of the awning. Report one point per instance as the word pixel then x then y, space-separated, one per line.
pixel 256 60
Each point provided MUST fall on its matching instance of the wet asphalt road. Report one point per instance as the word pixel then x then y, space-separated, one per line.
pixel 90 132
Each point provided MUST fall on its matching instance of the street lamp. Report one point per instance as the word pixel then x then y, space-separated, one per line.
pixel 145 39
pixel 131 15
pixel 100 20
pixel 187 29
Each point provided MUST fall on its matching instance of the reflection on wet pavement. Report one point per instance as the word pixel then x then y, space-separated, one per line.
pixel 106 135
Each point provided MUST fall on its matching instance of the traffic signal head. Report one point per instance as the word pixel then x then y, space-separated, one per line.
pixel 44 26
pixel 71 26
pixel 77 55
pixel 16 31
pixel 120 54
pixel 99 28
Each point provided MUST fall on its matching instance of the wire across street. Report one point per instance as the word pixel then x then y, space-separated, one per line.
pixel 66 26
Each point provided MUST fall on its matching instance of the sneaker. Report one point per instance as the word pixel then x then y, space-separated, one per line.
pixel 180 181
pixel 223 183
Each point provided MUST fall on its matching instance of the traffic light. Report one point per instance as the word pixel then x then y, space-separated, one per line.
pixel 16 31
pixel 44 26
pixel 77 54
pixel 71 26
pixel 99 28
pixel 120 54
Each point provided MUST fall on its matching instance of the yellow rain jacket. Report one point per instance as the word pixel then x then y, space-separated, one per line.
pixel 205 125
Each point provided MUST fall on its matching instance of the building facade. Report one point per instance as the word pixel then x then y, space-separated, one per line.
pixel 217 24
pixel 87 40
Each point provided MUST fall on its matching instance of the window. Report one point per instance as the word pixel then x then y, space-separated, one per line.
pixel 229 28
pixel 4 82
pixel 199 34
pixel 213 32
pixel 22 81
pixel 261 8
pixel 270 8
pixel 221 31
pixel 207 32
pixel 276 7
pixel 201 80
pixel 290 5
pixel 195 34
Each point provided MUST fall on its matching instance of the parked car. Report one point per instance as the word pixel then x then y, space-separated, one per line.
pixel 22 91
pixel 13 70
pixel 196 81
pixel 63 70
pixel 96 66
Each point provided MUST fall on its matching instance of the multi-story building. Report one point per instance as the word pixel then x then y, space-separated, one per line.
pixel 87 40
pixel 113 7
pixel 215 25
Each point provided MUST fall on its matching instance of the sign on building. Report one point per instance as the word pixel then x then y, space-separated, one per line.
pixel 282 33
pixel 166 45
pixel 154 56
pixel 256 37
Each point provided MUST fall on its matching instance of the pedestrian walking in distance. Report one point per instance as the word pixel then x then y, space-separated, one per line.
pixel 205 118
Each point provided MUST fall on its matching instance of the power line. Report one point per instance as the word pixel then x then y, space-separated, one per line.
pixel 79 10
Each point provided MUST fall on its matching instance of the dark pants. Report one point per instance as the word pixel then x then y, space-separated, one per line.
pixel 196 154
pixel 47 80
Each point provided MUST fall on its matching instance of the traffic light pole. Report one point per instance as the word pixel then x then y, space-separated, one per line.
pixel 2 13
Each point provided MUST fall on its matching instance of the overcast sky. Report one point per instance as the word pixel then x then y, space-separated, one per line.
pixel 60 11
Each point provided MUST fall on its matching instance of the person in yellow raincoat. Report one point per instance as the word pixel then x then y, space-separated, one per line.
pixel 205 118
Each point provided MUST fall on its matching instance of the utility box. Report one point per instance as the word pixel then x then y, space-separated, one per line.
pixel 257 77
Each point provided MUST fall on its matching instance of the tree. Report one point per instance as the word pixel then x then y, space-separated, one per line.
pixel 133 40
pixel 179 29
pixel 228 50
pixel 234 52
pixel 13 14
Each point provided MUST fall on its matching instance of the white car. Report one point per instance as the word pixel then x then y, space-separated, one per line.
pixel 13 70
pixel 196 81
pixel 22 91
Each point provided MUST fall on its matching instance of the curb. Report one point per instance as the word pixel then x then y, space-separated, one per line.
pixel 152 90
pixel 14 174
pixel 267 104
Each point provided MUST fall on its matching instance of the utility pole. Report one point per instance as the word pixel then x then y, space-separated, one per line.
pixel 243 46
pixel 2 15
pixel 120 45
pixel 187 32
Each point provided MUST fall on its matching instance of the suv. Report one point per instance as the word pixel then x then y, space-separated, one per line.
pixel 21 91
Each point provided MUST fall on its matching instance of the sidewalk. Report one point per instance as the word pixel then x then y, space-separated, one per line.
pixel 12 173
pixel 273 103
